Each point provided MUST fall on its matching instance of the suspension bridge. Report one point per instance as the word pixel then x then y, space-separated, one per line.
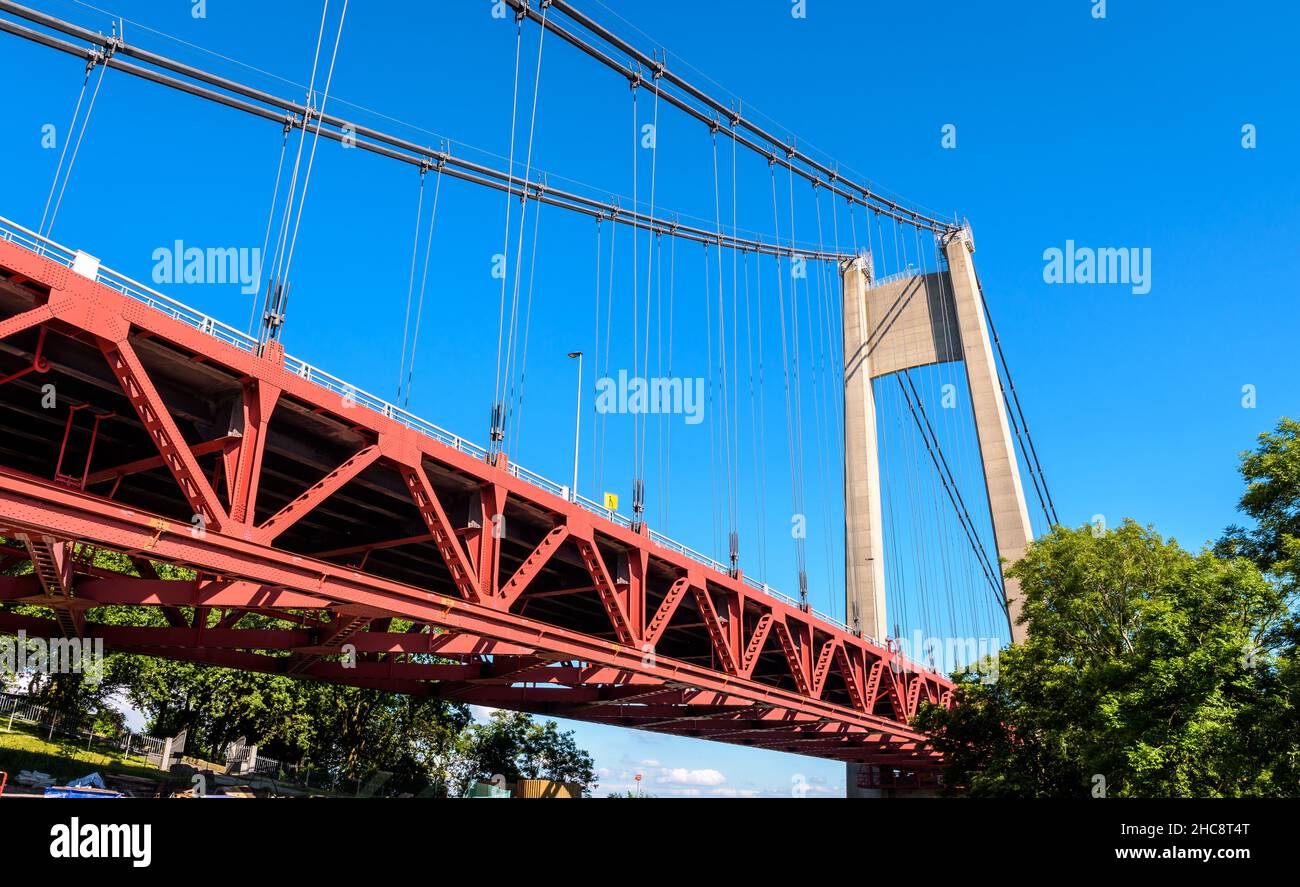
pixel 327 533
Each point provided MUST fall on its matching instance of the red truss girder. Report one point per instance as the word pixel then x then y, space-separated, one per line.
pixel 748 668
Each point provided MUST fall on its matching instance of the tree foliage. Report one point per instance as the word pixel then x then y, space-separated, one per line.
pixel 1272 502
pixel 513 745
pixel 1149 671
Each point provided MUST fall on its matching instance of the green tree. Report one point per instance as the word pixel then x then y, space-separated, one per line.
pixel 1272 502
pixel 1140 669
pixel 1272 542
pixel 513 745
pixel 80 700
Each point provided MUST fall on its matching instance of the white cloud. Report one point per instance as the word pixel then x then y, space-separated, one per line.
pixel 683 776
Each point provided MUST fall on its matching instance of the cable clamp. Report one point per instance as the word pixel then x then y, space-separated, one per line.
pixel 111 45
pixel 96 56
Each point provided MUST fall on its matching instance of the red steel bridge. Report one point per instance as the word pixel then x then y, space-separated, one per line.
pixel 292 495
pixel 327 534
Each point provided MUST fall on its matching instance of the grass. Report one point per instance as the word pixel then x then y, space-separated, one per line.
pixel 27 748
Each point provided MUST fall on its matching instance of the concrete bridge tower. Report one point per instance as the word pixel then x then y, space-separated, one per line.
pixel 904 322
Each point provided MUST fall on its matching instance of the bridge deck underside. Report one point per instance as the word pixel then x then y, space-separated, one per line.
pixel 322 539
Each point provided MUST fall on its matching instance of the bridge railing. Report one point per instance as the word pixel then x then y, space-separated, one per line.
pixel 15 233
pixel 537 480
pixel 353 394
pixel 909 271
pixel 172 308
pixel 43 246
pixel 608 514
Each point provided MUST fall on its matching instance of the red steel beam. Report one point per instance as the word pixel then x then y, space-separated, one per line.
pixel 158 422
pixel 152 462
pixel 718 636
pixel 258 402
pixel 667 607
pixel 532 565
pixel 327 486
pixel 444 536
pixel 609 597
pixel 12 326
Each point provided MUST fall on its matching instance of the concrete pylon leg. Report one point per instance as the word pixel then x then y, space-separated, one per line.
pixel 1012 531
pixel 864 546
pixel 864 563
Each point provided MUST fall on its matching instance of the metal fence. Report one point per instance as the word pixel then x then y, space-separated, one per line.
pixel 129 746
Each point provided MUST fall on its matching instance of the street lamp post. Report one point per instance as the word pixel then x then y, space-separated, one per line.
pixel 577 426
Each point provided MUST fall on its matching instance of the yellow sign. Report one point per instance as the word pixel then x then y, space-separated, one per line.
pixel 611 501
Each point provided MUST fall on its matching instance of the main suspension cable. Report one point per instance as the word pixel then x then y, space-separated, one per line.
pixel 357 135
pixel 777 151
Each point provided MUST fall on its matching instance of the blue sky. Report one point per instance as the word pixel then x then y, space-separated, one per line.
pixel 1122 132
